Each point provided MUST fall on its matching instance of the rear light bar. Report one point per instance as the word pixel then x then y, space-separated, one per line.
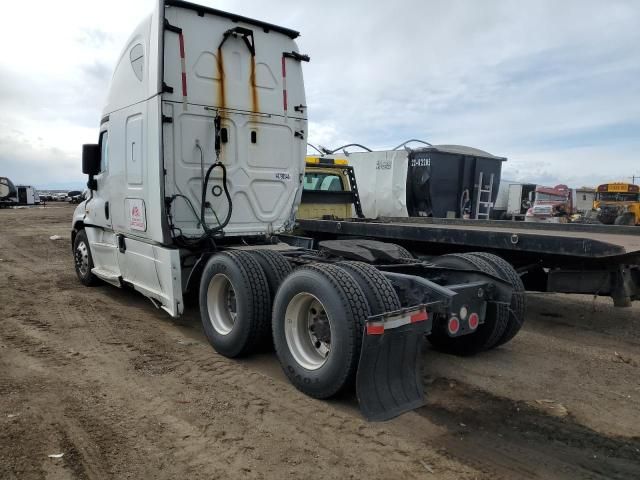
pixel 378 326
pixel 327 161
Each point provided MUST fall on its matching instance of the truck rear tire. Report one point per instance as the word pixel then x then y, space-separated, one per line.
pixel 83 261
pixel 378 291
pixel 319 315
pixel 404 253
pixel 235 305
pixel 488 333
pixel 275 266
pixel 518 299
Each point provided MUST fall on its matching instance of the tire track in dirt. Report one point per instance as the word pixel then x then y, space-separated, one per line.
pixel 233 376
pixel 509 435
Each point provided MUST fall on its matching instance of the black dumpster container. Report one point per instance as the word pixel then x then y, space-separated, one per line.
pixel 444 180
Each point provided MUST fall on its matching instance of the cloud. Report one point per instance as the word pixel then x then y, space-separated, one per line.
pixel 35 162
pixel 94 38
pixel 550 85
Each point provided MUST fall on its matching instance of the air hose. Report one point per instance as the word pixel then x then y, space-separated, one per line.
pixel 224 223
pixel 217 123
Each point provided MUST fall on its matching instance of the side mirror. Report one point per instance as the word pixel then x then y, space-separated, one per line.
pixel 91 159
pixel 531 196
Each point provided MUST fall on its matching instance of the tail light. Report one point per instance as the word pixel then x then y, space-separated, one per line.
pixel 474 321
pixel 454 325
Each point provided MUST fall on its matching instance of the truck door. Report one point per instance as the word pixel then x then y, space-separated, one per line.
pixel 98 218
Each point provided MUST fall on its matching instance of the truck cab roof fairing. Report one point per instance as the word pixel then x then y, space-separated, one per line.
pixel 292 34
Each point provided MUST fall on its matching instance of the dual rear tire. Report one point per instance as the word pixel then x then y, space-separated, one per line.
pixel 502 322
pixel 235 303
pixel 318 316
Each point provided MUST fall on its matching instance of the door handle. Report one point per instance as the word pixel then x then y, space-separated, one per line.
pixel 122 247
pixel 106 210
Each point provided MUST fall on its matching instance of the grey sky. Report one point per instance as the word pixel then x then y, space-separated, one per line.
pixel 551 85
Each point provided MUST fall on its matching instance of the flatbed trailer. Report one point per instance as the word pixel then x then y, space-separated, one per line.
pixel 567 258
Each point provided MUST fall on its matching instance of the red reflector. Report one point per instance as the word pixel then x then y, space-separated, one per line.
pixel 419 317
pixel 373 329
pixel 181 42
pixel 184 84
pixel 474 321
pixel 454 325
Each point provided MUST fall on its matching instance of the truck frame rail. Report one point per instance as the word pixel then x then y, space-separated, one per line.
pixel 568 258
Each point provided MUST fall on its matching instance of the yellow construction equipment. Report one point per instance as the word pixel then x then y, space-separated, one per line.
pixel 329 189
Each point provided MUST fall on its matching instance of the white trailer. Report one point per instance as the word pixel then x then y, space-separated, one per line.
pixel 200 164
pixel 585 197
pixel 27 195
pixel 513 200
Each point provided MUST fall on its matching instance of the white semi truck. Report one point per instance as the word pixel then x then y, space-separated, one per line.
pixel 198 168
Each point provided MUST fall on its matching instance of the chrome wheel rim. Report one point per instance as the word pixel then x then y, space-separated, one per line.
pixel 307 330
pixel 82 258
pixel 221 304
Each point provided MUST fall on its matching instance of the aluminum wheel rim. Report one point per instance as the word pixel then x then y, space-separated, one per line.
pixel 82 258
pixel 221 304
pixel 307 329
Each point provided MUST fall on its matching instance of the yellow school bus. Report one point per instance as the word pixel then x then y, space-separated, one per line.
pixel 618 203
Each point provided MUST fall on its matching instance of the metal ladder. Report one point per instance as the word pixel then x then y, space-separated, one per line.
pixel 483 207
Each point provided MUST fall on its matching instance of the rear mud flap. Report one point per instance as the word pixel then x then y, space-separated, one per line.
pixel 389 377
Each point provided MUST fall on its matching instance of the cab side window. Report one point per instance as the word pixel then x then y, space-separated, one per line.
pixel 104 151
pixel 136 55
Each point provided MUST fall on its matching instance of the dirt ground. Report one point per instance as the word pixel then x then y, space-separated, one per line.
pixel 124 391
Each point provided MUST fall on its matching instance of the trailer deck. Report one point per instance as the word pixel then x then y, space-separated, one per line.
pixel 573 240
pixel 568 258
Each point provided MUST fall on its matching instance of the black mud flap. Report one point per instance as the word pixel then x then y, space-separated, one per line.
pixel 389 378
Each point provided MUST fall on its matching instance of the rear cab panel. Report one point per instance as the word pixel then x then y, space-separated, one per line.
pixel 211 70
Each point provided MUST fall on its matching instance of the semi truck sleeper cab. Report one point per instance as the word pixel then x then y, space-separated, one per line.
pixel 199 166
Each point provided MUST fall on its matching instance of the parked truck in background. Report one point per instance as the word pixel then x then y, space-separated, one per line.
pixel 199 166
pixel 551 204
pixel 618 203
